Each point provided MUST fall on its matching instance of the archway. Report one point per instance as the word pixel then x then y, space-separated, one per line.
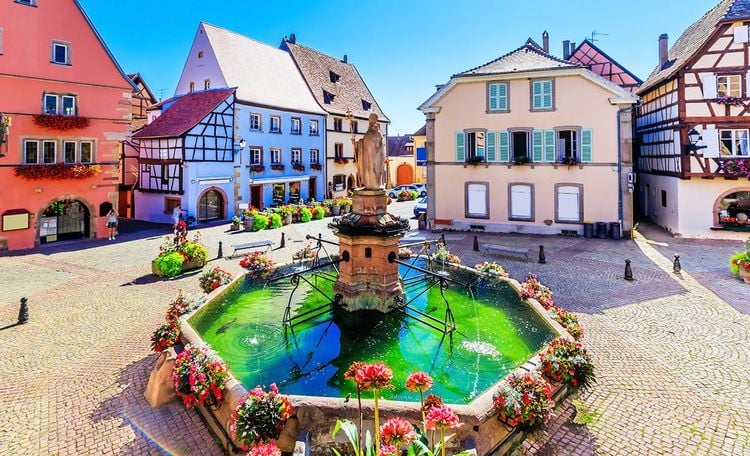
pixel 64 219
pixel 350 182
pixel 212 205
pixel 732 208
pixel 404 174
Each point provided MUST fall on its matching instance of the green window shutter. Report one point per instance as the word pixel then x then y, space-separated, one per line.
pixel 491 146
pixel 460 147
pixel 537 149
pixel 502 96
pixel 536 95
pixel 504 143
pixel 549 146
pixel 492 96
pixel 547 94
pixel 586 145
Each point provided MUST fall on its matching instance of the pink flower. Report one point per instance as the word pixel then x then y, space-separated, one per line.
pixel 397 431
pixel 265 449
pixel 388 450
pixel 373 377
pixel 441 417
pixel 419 381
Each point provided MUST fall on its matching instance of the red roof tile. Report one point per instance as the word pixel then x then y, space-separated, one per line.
pixel 184 114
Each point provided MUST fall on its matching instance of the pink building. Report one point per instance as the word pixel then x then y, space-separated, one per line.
pixel 69 105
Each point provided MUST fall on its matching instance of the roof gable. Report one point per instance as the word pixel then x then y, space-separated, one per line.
pixel 598 62
pixel 529 57
pixel 141 85
pixel 396 145
pixel 183 113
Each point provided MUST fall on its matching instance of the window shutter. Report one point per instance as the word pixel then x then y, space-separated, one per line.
pixel 709 86
pixel 711 141
pixel 547 94
pixel 740 34
pixel 747 84
pixel 460 147
pixel 493 96
pixel 549 145
pixel 537 153
pixel 504 143
pixel 502 97
pixel 536 95
pixel 491 146
pixel 520 202
pixel 586 145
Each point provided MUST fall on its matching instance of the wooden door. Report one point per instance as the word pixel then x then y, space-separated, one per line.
pixel 312 194
pixel 404 174
pixel 256 196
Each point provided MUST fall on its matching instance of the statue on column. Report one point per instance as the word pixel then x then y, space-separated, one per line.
pixel 369 155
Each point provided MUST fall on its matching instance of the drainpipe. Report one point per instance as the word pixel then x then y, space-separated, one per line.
pixel 620 209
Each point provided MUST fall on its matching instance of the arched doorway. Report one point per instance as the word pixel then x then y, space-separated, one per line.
pixel 350 182
pixel 732 210
pixel 64 220
pixel 211 206
pixel 404 174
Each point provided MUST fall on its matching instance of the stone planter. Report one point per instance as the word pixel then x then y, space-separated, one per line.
pixel 160 389
pixel 186 266
pixel 287 219
pixel 336 210
pixel 744 276
pixel 249 223
pixel 346 209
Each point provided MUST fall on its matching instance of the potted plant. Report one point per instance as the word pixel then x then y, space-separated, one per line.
pixel 213 279
pixel 475 160
pixel 739 263
pixel 260 417
pixel 521 160
pixel 199 377
pixel 250 214
pixel 335 207
pixel 179 255
pixel 286 214
pixel 532 288
pixel 524 399
pixel 258 265
pixel 443 256
pixel 570 161
pixel 346 205
pixel 491 269
pixel 277 167
pixel 235 223
pixel 568 362
pixel 297 166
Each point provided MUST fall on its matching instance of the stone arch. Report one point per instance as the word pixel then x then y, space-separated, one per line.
pixel 723 195
pixel 224 202
pixel 404 174
pixel 91 208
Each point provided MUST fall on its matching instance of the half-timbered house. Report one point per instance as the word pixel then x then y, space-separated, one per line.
pixel 693 127
pixel 186 157
pixel 596 60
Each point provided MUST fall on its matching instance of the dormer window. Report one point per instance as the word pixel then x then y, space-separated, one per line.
pixel 328 97
pixel 334 77
pixel 366 105
pixel 200 54
pixel 60 53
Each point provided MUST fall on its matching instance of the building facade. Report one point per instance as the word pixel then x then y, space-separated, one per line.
pixel 340 91
pixel 401 160
pixel 692 128
pixel 419 138
pixel 275 116
pixel 68 102
pixel 528 143
pixel 596 60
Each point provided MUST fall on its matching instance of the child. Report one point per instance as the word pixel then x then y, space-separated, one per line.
pixel 112 224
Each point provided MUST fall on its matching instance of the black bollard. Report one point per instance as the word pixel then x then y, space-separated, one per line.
pixel 442 238
pixel 542 257
pixel 476 244
pixel 676 266
pixel 23 312
pixel 282 244
pixel 220 254
pixel 628 271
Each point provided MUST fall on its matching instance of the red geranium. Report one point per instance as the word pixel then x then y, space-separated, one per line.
pixel 374 377
pixel 57 171
pixel 419 382
pixel 265 449
pixel 397 431
pixel 441 418
pixel 56 122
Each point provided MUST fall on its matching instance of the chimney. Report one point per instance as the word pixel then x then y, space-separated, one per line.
pixel 293 38
pixel 663 50
pixel 345 59
pixel 545 41
pixel 566 49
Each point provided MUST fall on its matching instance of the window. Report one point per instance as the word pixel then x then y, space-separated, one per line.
pixel 337 124
pixel 294 190
pixel 542 95
pixel 50 104
pixel 314 156
pixel 275 124
pixel 165 174
pixel 296 155
pixel 206 84
pixel 477 200
pixel 366 105
pixel 69 152
pixel 200 54
pixel 568 204
pixel 313 128
pixel 328 97
pixel 338 150
pixel 49 152
pixel 27 2
pixel 475 145
pixel 729 85
pixel 256 156
pixel 333 77
pixel 497 97
pixel 86 152
pixel 30 152
pixel 520 145
pixel 171 203
pixel 279 192
pixel 255 122
pixel 68 105
pixel 60 53
pixel 354 125
pixel 192 87
pixel 734 143
pixel 567 145
pixel 275 156
pixel 339 181
pixel 296 126
pixel 663 198
pixel 521 199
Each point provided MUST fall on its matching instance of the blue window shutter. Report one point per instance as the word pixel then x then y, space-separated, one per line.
pixel 491 146
pixel 537 154
pixel 504 143
pixel 549 145
pixel 536 95
pixel 460 147
pixel 586 145
pixel 547 94
pixel 502 96
pixel 493 96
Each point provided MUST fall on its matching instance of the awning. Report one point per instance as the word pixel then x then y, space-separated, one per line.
pixel 279 180
pixel 214 180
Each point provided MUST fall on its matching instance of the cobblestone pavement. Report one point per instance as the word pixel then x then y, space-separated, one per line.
pixel 671 355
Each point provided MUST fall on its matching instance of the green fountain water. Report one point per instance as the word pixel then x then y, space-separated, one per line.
pixel 496 332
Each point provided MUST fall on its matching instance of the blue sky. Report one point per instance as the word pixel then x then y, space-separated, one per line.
pixel 402 49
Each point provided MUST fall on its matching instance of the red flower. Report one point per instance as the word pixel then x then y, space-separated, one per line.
pixel 374 377
pixel 388 450
pixel 397 431
pixel 431 401
pixel 351 373
pixel 265 449
pixel 419 382
pixel 441 417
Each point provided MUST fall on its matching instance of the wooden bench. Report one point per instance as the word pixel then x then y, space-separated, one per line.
pixel 507 251
pixel 251 245
pixel 412 240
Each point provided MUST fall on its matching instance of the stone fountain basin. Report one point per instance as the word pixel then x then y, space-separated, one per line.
pixel 316 416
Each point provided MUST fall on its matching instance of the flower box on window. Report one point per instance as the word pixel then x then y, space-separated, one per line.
pixel 57 122
pixel 475 160
pixel 59 171
pixel 341 160
pixel 730 101
pixel 316 166
pixel 257 168
pixel 298 166
pixel 570 161
pixel 737 167
pixel 277 167
pixel 521 160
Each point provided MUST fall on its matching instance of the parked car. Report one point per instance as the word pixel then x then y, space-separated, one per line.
pixel 393 193
pixel 421 207
pixel 422 189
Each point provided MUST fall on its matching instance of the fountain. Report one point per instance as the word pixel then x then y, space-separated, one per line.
pixel 302 328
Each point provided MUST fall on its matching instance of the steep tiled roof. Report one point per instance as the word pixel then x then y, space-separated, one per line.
pixel 350 93
pixel 694 37
pixel 185 113
pixel 397 145
pixel 422 131
pixel 529 57
pixel 138 79
pixel 596 60
pixel 262 74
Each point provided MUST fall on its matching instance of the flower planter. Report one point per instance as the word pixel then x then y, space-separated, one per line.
pixel 336 210
pixel 512 422
pixel 249 223
pixel 288 219
pixel 346 209
pixel 189 265
pixel 744 275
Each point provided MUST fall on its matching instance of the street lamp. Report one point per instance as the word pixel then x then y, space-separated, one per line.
pixel 694 137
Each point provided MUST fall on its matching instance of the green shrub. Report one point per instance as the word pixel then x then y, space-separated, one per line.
pixel 170 264
pixel 195 251
pixel 414 195
pixel 275 221
pixel 260 222
pixel 736 259
pixel 305 215
pixel 318 212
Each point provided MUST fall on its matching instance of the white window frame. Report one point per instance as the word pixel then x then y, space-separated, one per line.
pixel 314 156
pixel 80 151
pixel 275 128
pixel 66 46
pixel 735 138
pixel 296 155
pixel 256 126
pixel 485 214
pixel 298 122
pixel 256 156
pixel 733 84
pixel 75 152
pixel 42 156
pixel 314 128
pixel 579 194
pixel 542 105
pixel 512 215
pixel 62 105
pixel 505 99
pixel 275 156
pixel 25 150
pixel 44 103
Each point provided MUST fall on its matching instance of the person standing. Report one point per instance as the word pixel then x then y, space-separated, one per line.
pixel 112 224
pixel 176 216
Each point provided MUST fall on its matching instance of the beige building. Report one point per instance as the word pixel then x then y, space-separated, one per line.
pixel 401 160
pixel 528 143
pixel 419 138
